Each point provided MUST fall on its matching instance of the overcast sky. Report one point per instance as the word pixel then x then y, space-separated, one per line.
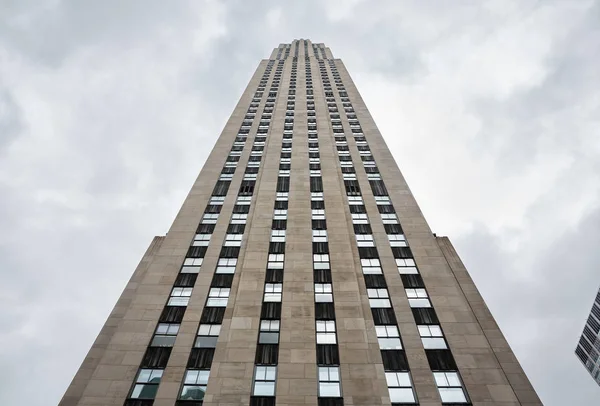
pixel 491 109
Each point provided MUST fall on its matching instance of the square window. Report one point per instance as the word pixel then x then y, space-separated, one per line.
pixel 264 380
pixel 194 387
pixel 450 387
pixel 329 382
pixel 146 384
pixel 400 387
pixel 323 293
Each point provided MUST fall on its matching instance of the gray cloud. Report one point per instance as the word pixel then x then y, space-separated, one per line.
pixel 107 107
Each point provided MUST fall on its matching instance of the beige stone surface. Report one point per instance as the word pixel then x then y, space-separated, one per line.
pixel 490 371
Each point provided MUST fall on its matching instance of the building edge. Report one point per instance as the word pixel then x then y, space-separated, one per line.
pixel 92 359
pixel 519 384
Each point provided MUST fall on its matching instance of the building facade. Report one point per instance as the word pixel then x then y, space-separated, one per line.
pixel 300 271
pixel 588 348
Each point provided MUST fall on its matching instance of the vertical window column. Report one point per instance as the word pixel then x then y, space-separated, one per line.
pixel 440 358
pixel 197 371
pixel 267 349
pixel 388 335
pixel 328 362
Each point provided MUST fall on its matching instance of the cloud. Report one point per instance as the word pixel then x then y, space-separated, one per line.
pixel 106 109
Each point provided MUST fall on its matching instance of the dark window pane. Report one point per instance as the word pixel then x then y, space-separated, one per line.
pixel 276 248
pixel 327 354
pixel 205 229
pixel 402 252
pixel 201 358
pixel 324 311
pixel 186 280
pixel 172 314
pixel 394 360
pixel 271 311
pixel 196 252
pixel 212 315
pixel 322 276
pixel 375 281
pixel 425 315
pixel 221 280
pixel 412 281
pixel 156 357
pixel 274 276
pixel 441 360
pixel 267 354
pixel 383 316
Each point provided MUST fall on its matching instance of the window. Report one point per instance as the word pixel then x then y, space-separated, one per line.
pixel 321 261
pixel 355 200
pixel 201 240
pixel 180 297
pixel 417 298
pixel 194 384
pixel 146 384
pixel 379 298
pixel 360 218
pixel 165 335
pixel 243 200
pixel 282 196
pixel 371 266
pixel 210 218
pixel 207 335
pixel 217 297
pixel 264 381
pixel 272 292
pixel 329 382
pixel 239 218
pixel 389 218
pixel 406 266
pixel 397 240
pixel 269 332
pixel 326 332
pixel 275 261
pixel 233 240
pixel 226 265
pixel 284 172
pixel 319 235
pixel 432 337
pixel 323 292
pixel 400 387
pixel 217 199
pixel 318 214
pixel 450 387
pixel 191 265
pixel 280 215
pixel 365 240
pixel 316 196
pixel 388 337
pixel 277 235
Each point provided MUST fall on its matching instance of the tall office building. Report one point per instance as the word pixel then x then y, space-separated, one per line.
pixel 300 271
pixel 588 348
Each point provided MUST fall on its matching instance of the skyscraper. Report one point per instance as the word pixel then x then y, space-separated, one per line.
pixel 588 348
pixel 300 271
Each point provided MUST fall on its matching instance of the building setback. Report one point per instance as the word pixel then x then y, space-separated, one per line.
pixel 300 271
pixel 588 348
